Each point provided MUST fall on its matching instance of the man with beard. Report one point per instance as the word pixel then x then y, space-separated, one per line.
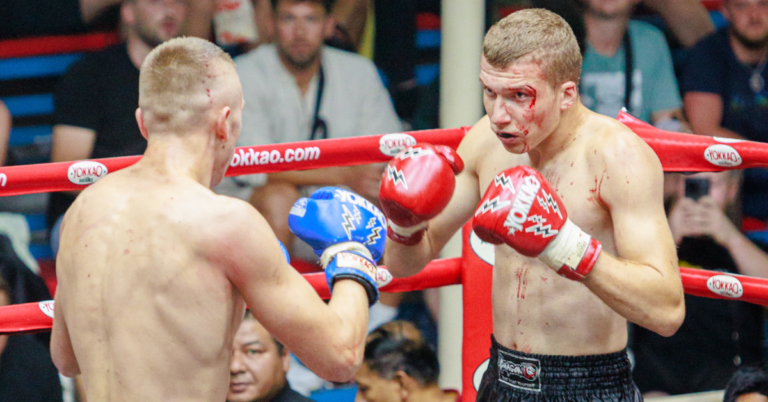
pixel 296 90
pixel 96 99
pixel 724 89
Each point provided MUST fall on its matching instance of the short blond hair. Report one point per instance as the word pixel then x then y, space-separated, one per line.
pixel 176 76
pixel 536 35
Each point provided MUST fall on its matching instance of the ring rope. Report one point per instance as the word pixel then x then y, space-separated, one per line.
pixel 28 318
pixel 677 152
pixel 65 176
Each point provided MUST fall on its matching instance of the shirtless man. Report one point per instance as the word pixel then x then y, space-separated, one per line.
pixel 566 339
pixel 154 268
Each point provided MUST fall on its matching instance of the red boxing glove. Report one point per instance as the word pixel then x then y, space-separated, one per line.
pixel 521 209
pixel 415 187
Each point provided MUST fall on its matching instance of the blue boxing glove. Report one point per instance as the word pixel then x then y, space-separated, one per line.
pixel 346 231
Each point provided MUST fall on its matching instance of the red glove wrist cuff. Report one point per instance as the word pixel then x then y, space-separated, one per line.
pixel 586 264
pixel 409 240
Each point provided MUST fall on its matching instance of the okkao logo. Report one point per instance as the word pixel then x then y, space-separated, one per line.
pixel 722 155
pixel 46 307
pixel 86 172
pixel 392 144
pixel 725 285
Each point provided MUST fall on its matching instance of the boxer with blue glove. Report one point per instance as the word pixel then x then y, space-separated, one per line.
pixel 347 232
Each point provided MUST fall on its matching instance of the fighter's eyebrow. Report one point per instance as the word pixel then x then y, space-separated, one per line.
pixel 252 343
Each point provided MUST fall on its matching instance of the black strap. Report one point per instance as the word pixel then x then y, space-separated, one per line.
pixel 628 69
pixel 317 123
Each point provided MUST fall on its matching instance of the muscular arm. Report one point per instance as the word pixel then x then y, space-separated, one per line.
pixel 405 261
pixel 688 19
pixel 328 338
pixel 61 345
pixel 705 112
pixel 642 282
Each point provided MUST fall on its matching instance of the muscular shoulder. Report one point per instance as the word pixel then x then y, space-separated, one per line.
pixel 617 150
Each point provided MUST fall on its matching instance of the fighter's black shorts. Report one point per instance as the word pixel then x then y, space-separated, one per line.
pixel 516 376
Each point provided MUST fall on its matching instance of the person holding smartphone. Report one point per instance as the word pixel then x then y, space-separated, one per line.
pixel 717 336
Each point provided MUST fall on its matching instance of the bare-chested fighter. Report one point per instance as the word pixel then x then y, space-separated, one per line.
pixel 154 268
pixel 565 339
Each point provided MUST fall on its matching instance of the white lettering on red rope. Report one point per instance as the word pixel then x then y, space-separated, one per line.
pixel 3 179
pixel 86 172
pixel 391 144
pixel 725 285
pixel 46 307
pixel 250 158
pixel 722 155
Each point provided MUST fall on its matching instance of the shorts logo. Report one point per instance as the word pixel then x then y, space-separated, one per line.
pixel 722 155
pixel 47 307
pixel 86 172
pixel 725 285
pixel 519 372
pixel 392 144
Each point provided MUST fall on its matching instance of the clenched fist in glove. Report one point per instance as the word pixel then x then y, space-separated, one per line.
pixel 415 187
pixel 347 233
pixel 521 209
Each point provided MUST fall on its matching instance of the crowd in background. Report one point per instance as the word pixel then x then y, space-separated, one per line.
pixel 334 69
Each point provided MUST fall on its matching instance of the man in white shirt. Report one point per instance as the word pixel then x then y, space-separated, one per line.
pixel 297 89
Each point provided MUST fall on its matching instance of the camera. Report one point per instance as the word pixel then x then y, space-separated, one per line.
pixel 696 188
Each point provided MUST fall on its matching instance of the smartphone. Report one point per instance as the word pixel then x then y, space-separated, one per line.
pixel 696 188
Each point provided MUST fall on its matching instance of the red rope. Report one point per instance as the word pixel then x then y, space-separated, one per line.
pixel 63 176
pixel 33 317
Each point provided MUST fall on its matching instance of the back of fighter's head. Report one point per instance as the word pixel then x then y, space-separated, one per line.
pixel 184 82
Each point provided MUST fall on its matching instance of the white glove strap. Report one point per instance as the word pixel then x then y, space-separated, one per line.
pixel 407 231
pixel 331 251
pixel 567 248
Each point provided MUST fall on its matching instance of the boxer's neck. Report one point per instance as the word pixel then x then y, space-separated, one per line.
pixel 559 141
pixel 181 155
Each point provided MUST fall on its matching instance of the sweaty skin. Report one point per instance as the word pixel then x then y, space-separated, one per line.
pixel 154 271
pixel 611 184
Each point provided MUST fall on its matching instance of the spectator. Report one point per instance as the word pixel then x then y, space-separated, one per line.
pixel 724 88
pixel 289 97
pixel 258 366
pixel 717 336
pixel 628 64
pixel 399 366
pixel 5 132
pixel 27 372
pixel 95 102
pixel 748 384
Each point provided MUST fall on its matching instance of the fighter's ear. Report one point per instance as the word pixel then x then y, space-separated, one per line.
pixel 221 127
pixel 140 121
pixel 570 93
pixel 407 384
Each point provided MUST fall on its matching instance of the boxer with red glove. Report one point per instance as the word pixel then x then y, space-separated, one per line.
pixel 520 208
pixel 415 187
